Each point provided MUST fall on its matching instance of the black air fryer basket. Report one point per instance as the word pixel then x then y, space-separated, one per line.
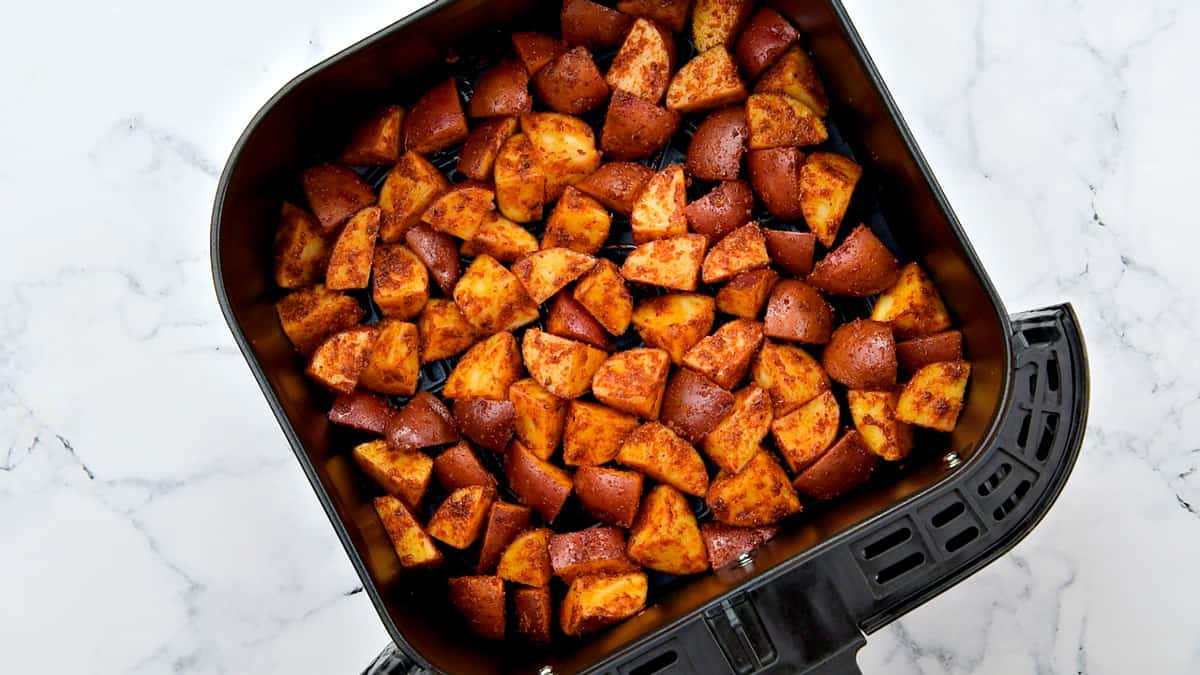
pixel 800 603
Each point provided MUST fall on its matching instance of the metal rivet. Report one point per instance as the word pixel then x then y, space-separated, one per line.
pixel 546 670
pixel 744 560
pixel 952 459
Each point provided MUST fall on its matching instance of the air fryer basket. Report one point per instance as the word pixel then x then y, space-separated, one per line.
pixel 803 601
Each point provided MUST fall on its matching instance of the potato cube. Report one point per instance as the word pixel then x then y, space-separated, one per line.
pixel 742 250
pixel 564 367
pixel 339 361
pixel 571 83
pixel 520 180
pixel 544 273
pixel 659 210
pixel 635 128
pixel 438 251
pixel 569 319
pixel 436 121
pixel 670 13
pixel 403 474
pixel 633 381
pixel 912 306
pixel 423 422
pixel 737 437
pixel 795 75
pixel 459 212
pixel 919 352
pixel 505 522
pixel 401 285
pixel 393 365
pixel 759 494
pixel 616 185
pixel 500 238
pixel 487 370
pixel 603 292
pixel 309 316
pixel 726 543
pixel 458 467
pixel 642 67
pixel 764 39
pixel 492 298
pixel 409 189
pixel 533 611
pixel 350 262
pixel 565 146
pixel 746 294
pixel 716 22
pixel 792 251
pixel 826 183
pixel 577 222
pixel 725 355
pixel 488 423
pixel 443 330
pixel 597 601
pixel 674 322
pixel 860 266
pixel 799 313
pixel 414 548
pixel 302 249
pixel 710 80
pixel 363 411
pixel 335 193
pixel 481 602
pixel 459 520
pixel 610 495
pixel 715 153
pixel 861 354
pixel 934 396
pixel 536 49
pixel 778 120
pixel 376 141
pixel 666 537
pixel 592 25
pixel 657 452
pixel 502 89
pixel 672 263
pixel 844 467
pixel 593 433
pixel 804 434
pixel 540 416
pixel 789 374
pixel 727 206
pixel 693 404
pixel 874 415
pixel 598 550
pixel 478 155
pixel 536 482
pixel 527 559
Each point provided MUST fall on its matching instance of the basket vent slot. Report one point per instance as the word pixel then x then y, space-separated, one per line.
pixel 1049 432
pixel 656 664
pixel 1023 434
pixel 946 515
pixel 994 481
pixel 1009 505
pixel 962 539
pixel 886 543
pixel 901 567
pixel 1042 334
pixel 1053 376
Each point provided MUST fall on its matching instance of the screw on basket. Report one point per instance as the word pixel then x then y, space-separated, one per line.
pixel 546 670
pixel 952 459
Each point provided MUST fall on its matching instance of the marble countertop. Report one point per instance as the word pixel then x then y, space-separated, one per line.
pixel 154 518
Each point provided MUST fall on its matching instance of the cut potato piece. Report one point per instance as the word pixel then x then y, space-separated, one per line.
pixel 410 187
pixel 423 422
pixel 775 175
pixel 594 602
pixel 443 331
pixel 635 128
pixel 492 298
pixel 789 374
pixel 487 370
pixel 540 416
pixel 611 495
pixel 481 602
pixel 500 238
pixel 798 313
pixel 536 49
pixel 577 222
pixel 597 550
pixel 919 352
pixel 792 251
pixel 742 250
pixel 335 193
pixel 536 482
pixel 438 252
pixel 778 120
pixel 593 433
pixel 874 415
pixel 642 67
pixel 313 314
pixel 764 39
pixel 459 521
pixel 657 452
pixel 737 437
pixel 460 211
pixel 403 474
pixel 564 367
pixel 725 355
pixel 844 467
pixel 362 410
pixel 934 396
pixel 745 294
pixel 603 293
pixel 716 22
pixel 633 381
pixel 826 183
pixel 659 209
pixel 401 282
pixel 716 149
pixel 804 434
pixel 592 25
pixel 436 121
pixel 502 90
pixel 505 522
pixel 672 263
pixel 457 468
pixel 670 13
pixel 570 319
pixel 527 560
pixel 544 273
pixel 726 543
pixel 520 180
pixel 912 306
pixel 394 363
pixel 666 537
pixel 862 355
pixel 795 75
pixel 710 80
pixel 376 141
pixel 860 267
pixel 478 154
pixel 488 423
pixel 726 208
pixel 564 145
pixel 693 404
pixel 759 494
pixel 532 607
pixel 571 83
pixel 339 361
pixel 414 548
pixel 301 248
pixel 674 322
pixel 616 185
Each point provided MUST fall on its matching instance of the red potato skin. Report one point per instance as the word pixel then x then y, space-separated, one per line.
pixel 530 480
pixel 423 422
pixel 591 551
pixel 478 154
pixel 766 36
pixel 505 522
pixel 438 252
pixel 693 404
pixel 592 25
pixel 842 468
pixel 489 423
pixel 571 83
pixel 533 610
pixel 792 251
pixel 611 495
pixel 635 128
pixel 862 355
pixel 481 602
pixel 775 175
pixel 536 50
pixel 335 193
pixel 919 352
pixel 716 149
pixel 363 411
pixel 724 209
pixel 502 91
pixel 797 312
pixel 616 185
pixel 726 543
pixel 860 267
pixel 436 120
pixel 458 467
pixel 570 319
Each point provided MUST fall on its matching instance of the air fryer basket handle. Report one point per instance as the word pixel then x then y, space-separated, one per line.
pixel 812 619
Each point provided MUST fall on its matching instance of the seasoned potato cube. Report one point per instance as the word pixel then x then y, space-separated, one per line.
pixel 376 141
pixel 737 437
pixel 500 238
pixel 565 146
pixel 409 189
pixel 603 293
pixel 571 83
pixel 488 423
pixel 710 80
pixel 533 611
pixel 826 183
pixel 742 250
pixel 527 559
pixel 642 66
pixel 725 355
pixel 763 40
pixel 912 306
pixel 436 120
pixel 487 370
pixel 674 322
pixel 577 222
pixel 598 550
pixel 670 13
pixel 792 251
pixel 724 209
pixel 335 193
pixel 520 180
pixel 657 452
pixel 481 602
pixel 478 155
pixel 716 149
pixel 789 374
pixel 544 273
pixel 593 433
pixel 438 252
pixel 616 185
pixel 919 352
pixel 746 293
pixel 635 128
pixel 459 520
pixel 568 318
pixel 443 330
pixel 536 482
pixel 775 175
pixel 505 522
pixel 457 468
pixel 844 467
pixel 861 266
pixel 564 367
pixel 934 396
pixel 759 494
pixel 540 416
pixel 799 313
pixel 394 363
pixel 414 548
pixel 633 381
pixel 598 601
pixel 778 120
pixel 401 284
pixel 795 75
pixel 672 263
pixel 804 434
pixel 592 25
pixel 659 209
pixel 350 262
pixel 693 404
pixel 492 298
pixel 339 361
pixel 362 410
pixel 874 415
pixel 423 422
pixel 536 49
pixel 301 249
pixel 313 314
pixel 404 474
pixel 716 22
pixel 862 355
pixel 501 90
pixel 611 495
pixel 726 543
pixel 459 212
pixel 666 537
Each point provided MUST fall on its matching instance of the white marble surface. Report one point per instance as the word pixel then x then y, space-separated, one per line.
pixel 152 518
